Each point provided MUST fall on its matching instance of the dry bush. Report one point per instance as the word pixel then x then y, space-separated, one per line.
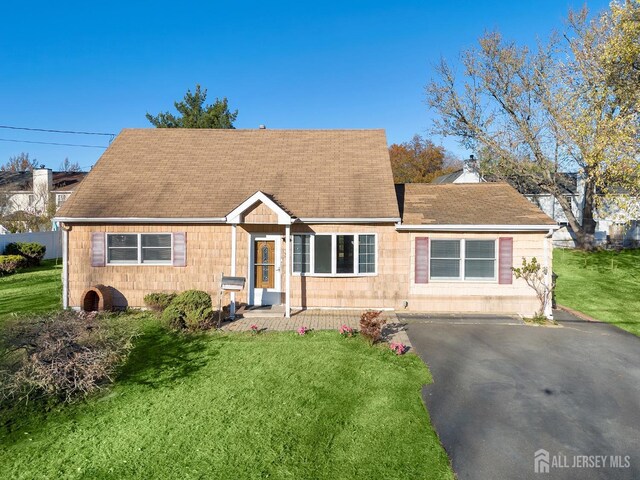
pixel 64 356
pixel 371 323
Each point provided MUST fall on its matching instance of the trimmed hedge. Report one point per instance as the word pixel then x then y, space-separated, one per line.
pixel 33 252
pixel 159 301
pixel 10 263
pixel 190 310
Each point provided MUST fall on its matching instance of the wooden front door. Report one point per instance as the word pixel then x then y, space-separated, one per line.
pixel 265 264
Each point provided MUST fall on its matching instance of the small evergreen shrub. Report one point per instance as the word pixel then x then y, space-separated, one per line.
pixel 11 263
pixel 190 310
pixel 33 252
pixel 158 301
pixel 371 324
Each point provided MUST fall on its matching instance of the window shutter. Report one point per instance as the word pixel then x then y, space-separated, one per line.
pixel 422 260
pixel 97 249
pixel 505 263
pixel 180 249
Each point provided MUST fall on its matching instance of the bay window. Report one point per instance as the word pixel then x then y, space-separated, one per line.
pixel 334 254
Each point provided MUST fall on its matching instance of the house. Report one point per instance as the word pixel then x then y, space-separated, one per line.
pixel 613 225
pixel 33 192
pixel 311 218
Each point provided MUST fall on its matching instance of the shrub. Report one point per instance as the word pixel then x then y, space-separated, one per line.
pixel 64 356
pixel 190 310
pixel 371 323
pixel 33 252
pixel 158 301
pixel 10 263
pixel 303 330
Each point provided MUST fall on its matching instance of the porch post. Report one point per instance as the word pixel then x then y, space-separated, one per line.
pixel 232 303
pixel 287 275
pixel 65 266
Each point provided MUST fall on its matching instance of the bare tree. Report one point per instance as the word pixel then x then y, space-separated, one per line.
pixel 68 166
pixel 19 163
pixel 571 103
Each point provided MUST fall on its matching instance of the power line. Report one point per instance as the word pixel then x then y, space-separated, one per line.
pixel 51 143
pixel 57 131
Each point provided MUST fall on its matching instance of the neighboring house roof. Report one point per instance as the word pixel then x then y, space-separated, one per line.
pixel 23 181
pixel 205 173
pixel 447 178
pixel 67 181
pixel 468 204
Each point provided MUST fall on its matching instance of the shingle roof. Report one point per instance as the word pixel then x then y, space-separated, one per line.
pixel 447 177
pixel 22 181
pixel 469 204
pixel 200 173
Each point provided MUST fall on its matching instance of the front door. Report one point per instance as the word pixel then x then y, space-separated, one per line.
pixel 266 272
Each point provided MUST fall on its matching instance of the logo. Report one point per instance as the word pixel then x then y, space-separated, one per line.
pixel 541 461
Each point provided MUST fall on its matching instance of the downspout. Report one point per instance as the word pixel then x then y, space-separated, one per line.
pixel 232 303
pixel 549 266
pixel 65 265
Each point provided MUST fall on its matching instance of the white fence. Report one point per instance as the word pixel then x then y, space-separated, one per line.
pixel 51 240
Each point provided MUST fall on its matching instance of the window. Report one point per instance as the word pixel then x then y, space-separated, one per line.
pixel 479 259
pixel 463 259
pixel 445 259
pixel 136 248
pixel 301 253
pixel 367 253
pixel 61 198
pixel 334 254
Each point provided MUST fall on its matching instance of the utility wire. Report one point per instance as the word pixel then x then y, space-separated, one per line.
pixel 52 143
pixel 57 131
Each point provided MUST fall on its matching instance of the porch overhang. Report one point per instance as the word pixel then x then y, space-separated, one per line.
pixel 236 215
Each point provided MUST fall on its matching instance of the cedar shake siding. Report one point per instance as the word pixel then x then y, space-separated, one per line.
pixel 161 209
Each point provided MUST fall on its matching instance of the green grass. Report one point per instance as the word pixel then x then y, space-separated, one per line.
pixel 604 285
pixel 275 405
pixel 32 290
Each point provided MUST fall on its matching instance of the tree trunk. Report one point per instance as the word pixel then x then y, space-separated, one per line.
pixel 585 232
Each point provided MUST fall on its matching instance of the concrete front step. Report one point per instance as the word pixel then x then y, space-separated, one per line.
pixel 267 311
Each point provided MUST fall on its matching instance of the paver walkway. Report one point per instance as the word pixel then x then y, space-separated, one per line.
pixel 319 320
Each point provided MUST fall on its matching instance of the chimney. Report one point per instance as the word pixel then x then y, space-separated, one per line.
pixel 42 180
pixel 262 127
pixel 469 165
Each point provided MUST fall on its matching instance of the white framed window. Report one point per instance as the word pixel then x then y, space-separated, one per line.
pixel 61 198
pixel 334 254
pixel 139 248
pixel 466 259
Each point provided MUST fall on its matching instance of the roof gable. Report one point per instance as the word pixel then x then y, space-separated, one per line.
pixel 203 173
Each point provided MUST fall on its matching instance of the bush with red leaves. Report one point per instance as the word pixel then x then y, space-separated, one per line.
pixel 371 323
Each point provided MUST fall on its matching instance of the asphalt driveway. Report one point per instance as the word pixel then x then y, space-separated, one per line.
pixel 503 390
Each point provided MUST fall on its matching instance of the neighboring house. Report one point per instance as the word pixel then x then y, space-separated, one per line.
pixel 31 192
pixel 613 225
pixel 311 218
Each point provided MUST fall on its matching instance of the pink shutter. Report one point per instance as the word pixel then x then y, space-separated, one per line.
pixel 180 249
pixel 422 260
pixel 97 249
pixel 505 261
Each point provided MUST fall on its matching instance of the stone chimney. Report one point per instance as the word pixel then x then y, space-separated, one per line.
pixel 42 181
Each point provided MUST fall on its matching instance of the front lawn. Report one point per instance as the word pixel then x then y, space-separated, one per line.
pixel 274 405
pixel 604 285
pixel 35 289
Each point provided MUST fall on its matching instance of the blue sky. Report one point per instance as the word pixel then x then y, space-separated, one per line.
pixel 362 64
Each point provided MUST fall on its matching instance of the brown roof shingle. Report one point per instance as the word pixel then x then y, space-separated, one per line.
pixel 469 204
pixel 198 173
